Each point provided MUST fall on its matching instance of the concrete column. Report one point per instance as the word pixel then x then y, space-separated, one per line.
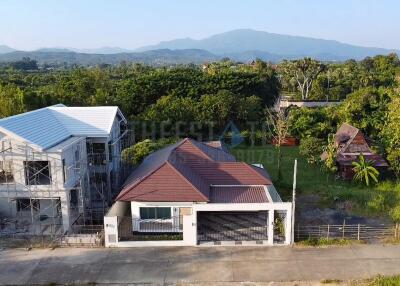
pixel 288 226
pixel 65 212
pixel 270 227
pixel 111 231
pixel 190 229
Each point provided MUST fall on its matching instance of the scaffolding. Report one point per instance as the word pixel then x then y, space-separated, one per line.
pixel 46 190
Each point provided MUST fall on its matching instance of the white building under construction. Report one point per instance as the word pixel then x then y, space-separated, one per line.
pixel 59 165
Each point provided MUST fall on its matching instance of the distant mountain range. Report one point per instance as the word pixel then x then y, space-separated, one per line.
pixel 241 45
pixel 244 41
pixel 5 49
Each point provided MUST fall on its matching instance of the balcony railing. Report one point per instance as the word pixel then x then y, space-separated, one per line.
pixel 150 229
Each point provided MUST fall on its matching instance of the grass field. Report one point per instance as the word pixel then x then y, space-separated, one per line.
pixel 311 180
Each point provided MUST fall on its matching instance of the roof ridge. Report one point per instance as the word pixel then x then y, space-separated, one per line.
pixel 218 149
pixel 197 147
pixel 53 114
pixel 188 181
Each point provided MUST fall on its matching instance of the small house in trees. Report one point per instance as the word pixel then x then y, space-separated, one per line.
pixel 351 143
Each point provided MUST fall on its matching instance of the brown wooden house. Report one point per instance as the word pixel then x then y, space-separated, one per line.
pixel 351 142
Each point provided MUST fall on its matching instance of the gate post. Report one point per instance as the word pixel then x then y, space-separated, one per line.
pixel 190 228
pixel 271 226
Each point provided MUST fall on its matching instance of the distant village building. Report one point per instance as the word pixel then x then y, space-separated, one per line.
pixel 351 143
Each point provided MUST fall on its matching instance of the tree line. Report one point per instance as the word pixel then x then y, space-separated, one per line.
pixel 224 91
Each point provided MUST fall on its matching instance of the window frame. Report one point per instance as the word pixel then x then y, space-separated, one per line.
pixel 156 211
pixel 29 179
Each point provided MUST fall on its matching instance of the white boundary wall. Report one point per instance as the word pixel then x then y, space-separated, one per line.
pixel 111 222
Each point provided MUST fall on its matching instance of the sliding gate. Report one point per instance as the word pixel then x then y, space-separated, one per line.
pixel 232 226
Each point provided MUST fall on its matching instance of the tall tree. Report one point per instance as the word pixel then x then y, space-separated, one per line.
pixel 304 72
pixel 278 124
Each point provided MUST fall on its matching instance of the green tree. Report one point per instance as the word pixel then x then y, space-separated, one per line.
pixel 364 170
pixel 311 148
pixel 135 154
pixel 330 154
pixel 303 71
pixel 278 124
pixel 11 100
pixel 394 161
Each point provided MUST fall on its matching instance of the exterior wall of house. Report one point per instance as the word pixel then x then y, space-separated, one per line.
pixel 65 170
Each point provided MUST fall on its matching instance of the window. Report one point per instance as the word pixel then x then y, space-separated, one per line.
pixel 64 171
pixel 110 151
pixel 25 204
pixel 6 175
pixel 74 198
pixel 37 173
pixel 155 213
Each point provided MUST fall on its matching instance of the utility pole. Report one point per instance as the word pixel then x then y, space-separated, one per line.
pixel 327 95
pixel 294 198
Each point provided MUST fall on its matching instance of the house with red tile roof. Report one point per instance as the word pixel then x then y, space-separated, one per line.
pixel 351 143
pixel 196 192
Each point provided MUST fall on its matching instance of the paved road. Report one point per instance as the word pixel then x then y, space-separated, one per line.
pixel 196 264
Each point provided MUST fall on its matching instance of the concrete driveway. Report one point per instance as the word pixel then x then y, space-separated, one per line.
pixel 206 265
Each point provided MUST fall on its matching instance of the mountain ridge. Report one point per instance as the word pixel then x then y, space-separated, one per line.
pixel 240 45
pixel 244 40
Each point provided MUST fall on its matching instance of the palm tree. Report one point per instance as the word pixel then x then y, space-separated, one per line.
pixel 364 170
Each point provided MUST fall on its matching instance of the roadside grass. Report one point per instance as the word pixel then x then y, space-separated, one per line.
pixel 321 242
pixel 332 281
pixel 386 281
pixel 392 240
pixel 357 199
pixel 378 280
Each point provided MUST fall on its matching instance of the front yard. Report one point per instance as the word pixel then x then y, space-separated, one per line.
pixel 322 198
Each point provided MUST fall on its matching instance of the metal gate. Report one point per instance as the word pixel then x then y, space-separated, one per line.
pixel 232 226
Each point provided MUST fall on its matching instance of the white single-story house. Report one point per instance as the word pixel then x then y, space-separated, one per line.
pixel 192 193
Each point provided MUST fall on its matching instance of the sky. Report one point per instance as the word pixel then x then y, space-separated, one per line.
pixel 33 24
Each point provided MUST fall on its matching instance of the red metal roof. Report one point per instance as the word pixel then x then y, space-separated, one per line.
pixel 165 184
pixel 185 171
pixel 238 194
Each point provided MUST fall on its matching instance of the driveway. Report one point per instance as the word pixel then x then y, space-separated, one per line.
pixel 205 265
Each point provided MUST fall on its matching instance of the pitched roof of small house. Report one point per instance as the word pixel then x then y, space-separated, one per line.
pixel 185 172
pixel 46 127
pixel 351 143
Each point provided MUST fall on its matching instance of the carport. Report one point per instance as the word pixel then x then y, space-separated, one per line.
pixel 241 223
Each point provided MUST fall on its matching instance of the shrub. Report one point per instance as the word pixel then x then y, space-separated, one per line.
pixel 395 213
pixel 364 170
pixel 311 148
pixel 135 154
pixel 394 161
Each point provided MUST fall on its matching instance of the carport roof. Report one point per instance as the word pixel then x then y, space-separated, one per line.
pixel 238 194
